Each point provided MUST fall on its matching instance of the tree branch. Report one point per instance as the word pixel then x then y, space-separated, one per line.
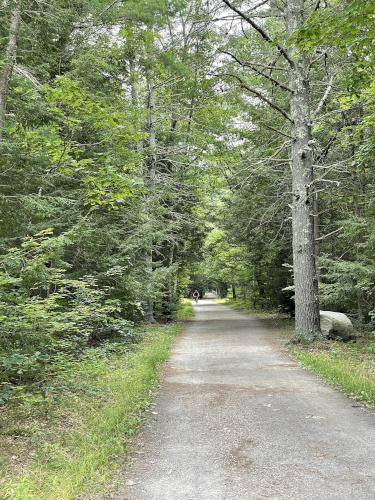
pixel 330 234
pixel 278 131
pixel 262 2
pixel 20 70
pixel 258 71
pixel 112 4
pixel 327 181
pixel 259 94
pixel 261 31
pixel 325 97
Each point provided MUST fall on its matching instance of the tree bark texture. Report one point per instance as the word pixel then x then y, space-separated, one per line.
pixel 305 275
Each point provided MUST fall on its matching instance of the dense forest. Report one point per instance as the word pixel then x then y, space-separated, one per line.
pixel 151 147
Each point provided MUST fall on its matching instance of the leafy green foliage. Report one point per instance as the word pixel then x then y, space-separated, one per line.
pixel 44 314
pixel 91 236
pixel 102 398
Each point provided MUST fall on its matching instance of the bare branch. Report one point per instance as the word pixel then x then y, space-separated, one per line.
pixel 317 58
pixel 261 31
pixel 327 181
pixel 258 71
pixel 278 131
pixel 276 68
pixel 21 71
pixel 325 97
pixel 261 96
pixel 260 4
pixel 330 234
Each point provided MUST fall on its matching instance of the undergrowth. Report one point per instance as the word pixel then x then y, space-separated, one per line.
pixel 68 443
pixel 185 311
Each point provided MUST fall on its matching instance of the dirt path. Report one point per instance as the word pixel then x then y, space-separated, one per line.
pixel 237 419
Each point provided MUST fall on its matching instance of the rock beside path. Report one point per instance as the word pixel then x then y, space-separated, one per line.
pixel 336 325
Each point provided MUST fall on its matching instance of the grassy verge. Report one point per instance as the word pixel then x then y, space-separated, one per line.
pixel 68 444
pixel 350 367
pixel 246 306
pixel 185 311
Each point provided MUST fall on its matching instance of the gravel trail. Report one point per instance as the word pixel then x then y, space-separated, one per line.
pixel 236 418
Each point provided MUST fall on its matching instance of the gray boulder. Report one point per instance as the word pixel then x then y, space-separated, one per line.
pixel 336 325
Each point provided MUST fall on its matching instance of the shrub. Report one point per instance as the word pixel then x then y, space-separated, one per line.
pixel 44 314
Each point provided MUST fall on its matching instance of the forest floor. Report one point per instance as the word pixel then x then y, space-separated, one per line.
pixel 349 366
pixel 237 418
pixel 65 437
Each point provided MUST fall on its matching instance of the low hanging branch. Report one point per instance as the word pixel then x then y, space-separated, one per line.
pixel 261 31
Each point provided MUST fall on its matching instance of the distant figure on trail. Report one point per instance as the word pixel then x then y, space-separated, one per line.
pixel 196 296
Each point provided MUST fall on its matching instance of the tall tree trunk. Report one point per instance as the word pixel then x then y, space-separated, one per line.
pixel 305 276
pixel 170 284
pixel 9 61
pixel 151 172
pixel 134 96
pixel 358 195
pixel 151 128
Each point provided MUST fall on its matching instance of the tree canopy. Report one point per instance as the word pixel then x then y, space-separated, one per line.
pixel 152 147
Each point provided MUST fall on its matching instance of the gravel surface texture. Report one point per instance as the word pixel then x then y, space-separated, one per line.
pixel 236 418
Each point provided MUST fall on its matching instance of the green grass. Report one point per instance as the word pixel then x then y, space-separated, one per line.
pixel 185 311
pixel 247 306
pixel 350 368
pixel 75 448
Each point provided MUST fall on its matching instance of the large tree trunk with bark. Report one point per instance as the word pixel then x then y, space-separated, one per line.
pixel 305 276
pixel 9 61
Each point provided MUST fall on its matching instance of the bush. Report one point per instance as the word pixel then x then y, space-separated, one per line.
pixel 44 314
